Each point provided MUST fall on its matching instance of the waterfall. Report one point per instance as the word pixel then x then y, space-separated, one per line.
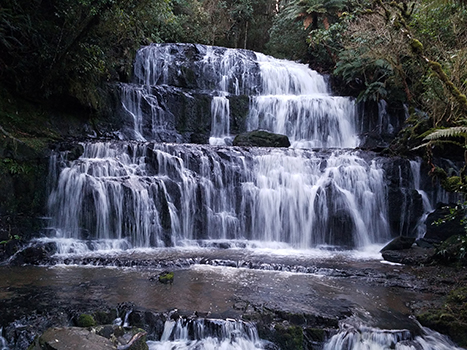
pixel 152 190
pixel 156 195
pixel 3 342
pixel 208 334
pixel 285 97
pixel 427 207
pixel 366 338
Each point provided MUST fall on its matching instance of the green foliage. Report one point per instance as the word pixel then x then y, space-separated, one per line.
pixel 450 318
pixel 14 167
pixel 302 23
pixel 69 47
pixel 454 249
pixel 455 131
pixel 11 238
pixel 86 320
pixel 287 39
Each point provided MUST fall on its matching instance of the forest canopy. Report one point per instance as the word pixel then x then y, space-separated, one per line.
pixel 412 52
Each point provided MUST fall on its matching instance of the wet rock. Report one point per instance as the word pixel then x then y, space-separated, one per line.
pixel 412 256
pixel 71 338
pixel 99 338
pixel 399 243
pixel 260 138
pixel 426 243
pixel 37 254
pixel 405 202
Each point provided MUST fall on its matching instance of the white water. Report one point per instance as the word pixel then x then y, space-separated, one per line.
pixel 285 97
pixel 208 335
pixel 3 342
pixel 295 101
pixel 366 338
pixel 155 195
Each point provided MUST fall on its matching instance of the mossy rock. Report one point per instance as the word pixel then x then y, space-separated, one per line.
pixel 166 277
pixel 451 319
pixel 458 296
pixel 86 320
pixel 315 334
pixel 105 317
pixel 290 338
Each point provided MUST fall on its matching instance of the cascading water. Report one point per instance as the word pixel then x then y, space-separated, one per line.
pixel 366 338
pixel 208 334
pixel 3 342
pixel 285 97
pixel 156 195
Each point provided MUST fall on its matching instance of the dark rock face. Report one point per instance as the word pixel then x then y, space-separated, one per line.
pixel 23 173
pixel 405 204
pixel 399 243
pixel 441 232
pixel 379 123
pixel 261 138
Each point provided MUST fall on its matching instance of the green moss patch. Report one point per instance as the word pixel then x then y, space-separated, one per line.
pixel 451 318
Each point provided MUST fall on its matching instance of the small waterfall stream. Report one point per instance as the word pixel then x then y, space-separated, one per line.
pixel 365 338
pixel 152 189
pixel 208 334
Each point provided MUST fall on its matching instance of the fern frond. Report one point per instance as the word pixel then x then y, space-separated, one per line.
pixel 421 146
pixel 455 131
pixel 437 143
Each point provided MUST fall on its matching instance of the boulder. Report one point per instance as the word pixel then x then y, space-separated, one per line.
pixel 414 256
pixel 68 338
pixel 399 243
pixel 37 253
pixel 261 138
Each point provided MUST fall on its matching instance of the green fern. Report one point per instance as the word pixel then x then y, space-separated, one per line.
pixel 455 131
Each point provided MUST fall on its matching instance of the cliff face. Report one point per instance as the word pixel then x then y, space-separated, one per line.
pixel 28 132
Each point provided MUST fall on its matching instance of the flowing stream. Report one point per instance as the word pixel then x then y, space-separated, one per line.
pixel 153 198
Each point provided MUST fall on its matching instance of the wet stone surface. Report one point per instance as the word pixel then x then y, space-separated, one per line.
pixel 303 290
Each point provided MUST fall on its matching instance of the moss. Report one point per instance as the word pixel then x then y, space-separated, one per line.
pixel 460 98
pixel 290 338
pixel 103 317
pixel 86 320
pixel 315 334
pixel 451 318
pixel 166 277
pixel 416 46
